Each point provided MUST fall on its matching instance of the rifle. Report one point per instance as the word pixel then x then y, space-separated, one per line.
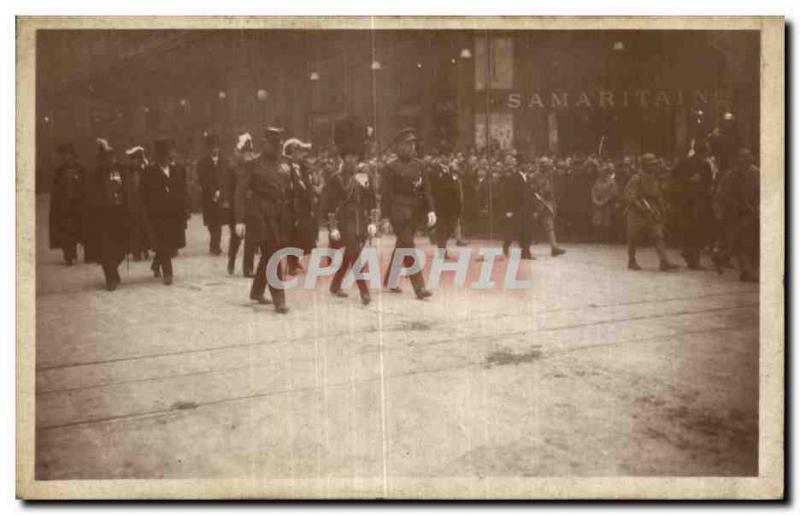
pixel 655 215
pixel 544 204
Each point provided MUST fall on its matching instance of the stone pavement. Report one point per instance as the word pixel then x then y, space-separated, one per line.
pixel 594 371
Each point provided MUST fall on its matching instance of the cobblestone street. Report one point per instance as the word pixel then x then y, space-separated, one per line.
pixel 594 371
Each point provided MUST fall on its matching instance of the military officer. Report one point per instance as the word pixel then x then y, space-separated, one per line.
pixel 646 212
pixel 109 207
pixel 350 204
pixel 66 204
pixel 269 192
pixel 545 205
pixel 405 191
pixel 244 159
pixel 211 174
pixel 693 181
pixel 164 196
pixel 304 229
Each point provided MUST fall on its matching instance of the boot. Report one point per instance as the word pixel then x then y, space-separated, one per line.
pixel 557 251
pixel 633 265
pixel 261 299
pixel 666 266
pixel 281 309
pixel 423 294
pixel 365 299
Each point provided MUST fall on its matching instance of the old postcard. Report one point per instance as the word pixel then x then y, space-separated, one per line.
pixel 400 258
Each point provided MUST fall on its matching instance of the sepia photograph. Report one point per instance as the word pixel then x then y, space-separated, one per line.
pixel 399 257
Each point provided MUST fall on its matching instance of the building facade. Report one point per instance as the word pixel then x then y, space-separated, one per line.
pixel 557 92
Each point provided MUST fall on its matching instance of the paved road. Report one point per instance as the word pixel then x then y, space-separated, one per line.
pixel 594 371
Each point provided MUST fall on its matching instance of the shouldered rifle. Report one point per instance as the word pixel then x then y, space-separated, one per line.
pixel 544 203
pixel 656 215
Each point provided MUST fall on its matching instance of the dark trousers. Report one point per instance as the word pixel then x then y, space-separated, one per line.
pixel 215 234
pixel 445 227
pixel 112 253
pixel 405 240
pixel 163 261
pixel 352 248
pixel 233 250
pixel 519 229
pixel 268 248
pixel 70 250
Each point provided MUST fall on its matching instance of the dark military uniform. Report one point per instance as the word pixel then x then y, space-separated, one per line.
pixel 349 201
pixel 238 169
pixel 264 214
pixel 164 196
pixel 405 195
pixel 212 175
pixel 66 208
pixel 693 180
pixel 446 191
pixel 107 189
pixel 646 213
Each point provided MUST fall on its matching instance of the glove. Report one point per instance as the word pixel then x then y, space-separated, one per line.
pixel 372 230
pixel 431 219
pixel 240 230
pixel 509 214
pixel 216 195
pixel 335 235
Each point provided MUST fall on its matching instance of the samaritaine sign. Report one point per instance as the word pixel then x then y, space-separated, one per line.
pixel 610 99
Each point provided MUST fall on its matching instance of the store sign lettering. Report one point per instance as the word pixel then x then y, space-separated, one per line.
pixel 611 99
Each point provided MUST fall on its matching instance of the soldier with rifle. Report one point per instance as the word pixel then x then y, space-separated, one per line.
pixel 646 213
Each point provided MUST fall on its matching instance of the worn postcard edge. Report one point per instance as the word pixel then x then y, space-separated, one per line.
pixel 769 484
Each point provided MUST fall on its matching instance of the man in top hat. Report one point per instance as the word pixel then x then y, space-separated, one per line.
pixel 66 204
pixel 517 201
pixel 211 172
pixel 265 214
pixel 693 182
pixel 164 195
pixel 446 191
pixel 304 229
pixel 646 212
pixel 349 202
pixel 405 192
pixel 244 159
pixel 108 194
pixel 134 169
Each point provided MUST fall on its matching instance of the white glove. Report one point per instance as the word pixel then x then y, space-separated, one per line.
pixel 509 214
pixel 372 230
pixel 335 235
pixel 240 230
pixel 216 195
pixel 431 219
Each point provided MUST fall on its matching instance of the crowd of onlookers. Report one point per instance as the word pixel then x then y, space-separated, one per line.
pixel 587 189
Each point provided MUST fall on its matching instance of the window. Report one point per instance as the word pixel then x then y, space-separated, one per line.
pixel 498 63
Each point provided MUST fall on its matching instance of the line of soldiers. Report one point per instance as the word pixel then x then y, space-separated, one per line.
pixel 270 200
